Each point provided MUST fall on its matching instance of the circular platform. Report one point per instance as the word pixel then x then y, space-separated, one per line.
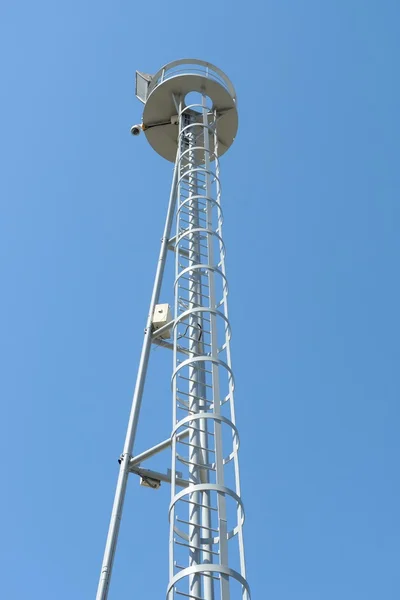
pixel 179 79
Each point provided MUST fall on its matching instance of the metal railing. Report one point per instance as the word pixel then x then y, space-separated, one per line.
pixel 189 66
pixel 207 516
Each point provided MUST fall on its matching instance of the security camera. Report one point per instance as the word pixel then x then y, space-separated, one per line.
pixel 136 129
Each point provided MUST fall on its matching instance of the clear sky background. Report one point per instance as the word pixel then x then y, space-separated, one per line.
pixel 311 201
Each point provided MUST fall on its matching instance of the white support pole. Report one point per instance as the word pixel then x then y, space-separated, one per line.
pixel 112 537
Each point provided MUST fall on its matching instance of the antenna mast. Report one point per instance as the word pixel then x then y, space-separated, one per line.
pixel 190 118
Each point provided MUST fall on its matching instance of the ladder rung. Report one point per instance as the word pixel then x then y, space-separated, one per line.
pixel 189 595
pixel 196 326
pixel 185 402
pixel 199 234
pixel 186 461
pixel 184 406
pixel 194 381
pixel 191 300
pixel 192 395
pixel 196 525
pixel 199 216
pixel 202 283
pixel 192 292
pixel 195 210
pixel 199 269
pixel 196 446
pixel 184 324
pixel 177 566
pixel 197 366
pixel 194 412
pixel 196 547
pixel 199 213
pixel 190 251
pixel 197 341
pixel 198 504
pixel 192 596
pixel 190 339
pixel 191 243
pixel 198 330
pixel 195 259
pixel 195 223
pixel 191 412
pixel 201 430
pixel 194 304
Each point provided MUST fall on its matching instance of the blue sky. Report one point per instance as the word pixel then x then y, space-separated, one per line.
pixel 311 202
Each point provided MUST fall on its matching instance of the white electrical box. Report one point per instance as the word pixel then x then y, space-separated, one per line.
pixel 162 316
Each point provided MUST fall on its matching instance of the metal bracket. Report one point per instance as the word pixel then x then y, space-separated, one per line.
pixel 170 346
pixel 172 247
pixel 139 458
pixel 151 478
pixel 156 476
pixel 158 332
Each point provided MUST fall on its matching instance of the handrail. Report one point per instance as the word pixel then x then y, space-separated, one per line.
pixel 207 70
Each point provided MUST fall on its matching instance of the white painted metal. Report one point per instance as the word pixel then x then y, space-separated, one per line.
pixel 161 107
pixel 206 549
pixel 116 515
pixel 206 521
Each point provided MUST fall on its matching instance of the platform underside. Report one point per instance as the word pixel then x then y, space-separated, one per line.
pixel 160 108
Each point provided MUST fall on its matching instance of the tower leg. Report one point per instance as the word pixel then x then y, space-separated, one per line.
pixel 116 515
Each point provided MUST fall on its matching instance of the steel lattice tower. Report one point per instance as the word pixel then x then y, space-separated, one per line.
pixel 206 515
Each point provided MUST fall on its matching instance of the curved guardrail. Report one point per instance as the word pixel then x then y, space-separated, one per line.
pixel 192 66
pixel 206 517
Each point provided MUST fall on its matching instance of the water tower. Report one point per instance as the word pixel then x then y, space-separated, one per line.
pixel 190 118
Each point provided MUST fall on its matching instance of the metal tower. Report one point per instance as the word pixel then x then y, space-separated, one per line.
pixel 206 515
